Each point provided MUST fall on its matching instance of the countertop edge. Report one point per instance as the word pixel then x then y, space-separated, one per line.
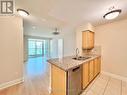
pixel 87 60
pixel 57 65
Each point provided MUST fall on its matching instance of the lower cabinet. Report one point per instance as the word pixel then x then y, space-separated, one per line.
pixel 90 70
pixel 58 81
pixel 99 65
pixel 96 69
pixel 63 84
pixel 85 75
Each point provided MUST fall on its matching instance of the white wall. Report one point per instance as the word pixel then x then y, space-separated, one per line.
pixel 113 40
pixel 11 48
pixel 54 48
pixel 69 39
pixel 69 43
pixel 67 33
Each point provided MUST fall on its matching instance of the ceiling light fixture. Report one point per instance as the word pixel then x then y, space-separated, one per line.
pixel 112 14
pixel 23 12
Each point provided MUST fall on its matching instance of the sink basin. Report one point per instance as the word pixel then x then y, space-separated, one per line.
pixel 81 58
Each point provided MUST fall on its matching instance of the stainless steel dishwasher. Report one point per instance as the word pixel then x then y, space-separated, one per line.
pixel 74 81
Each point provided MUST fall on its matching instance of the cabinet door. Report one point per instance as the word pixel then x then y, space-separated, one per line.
pixel 91 70
pixel 96 69
pixel 87 40
pixel 85 74
pixel 91 39
pixel 98 65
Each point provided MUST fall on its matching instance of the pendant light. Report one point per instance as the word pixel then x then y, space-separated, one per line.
pixel 56 32
pixel 112 14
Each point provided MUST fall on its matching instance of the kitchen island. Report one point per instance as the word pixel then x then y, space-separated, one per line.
pixel 70 76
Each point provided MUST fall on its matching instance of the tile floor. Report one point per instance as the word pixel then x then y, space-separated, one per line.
pixel 105 85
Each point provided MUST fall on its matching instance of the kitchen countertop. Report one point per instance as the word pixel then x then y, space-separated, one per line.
pixel 67 63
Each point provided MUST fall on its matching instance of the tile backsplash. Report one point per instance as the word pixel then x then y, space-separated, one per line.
pixel 95 50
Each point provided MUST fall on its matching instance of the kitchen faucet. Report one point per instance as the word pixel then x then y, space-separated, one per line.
pixel 77 53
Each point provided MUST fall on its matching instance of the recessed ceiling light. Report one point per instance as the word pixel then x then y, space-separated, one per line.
pixel 112 14
pixel 22 12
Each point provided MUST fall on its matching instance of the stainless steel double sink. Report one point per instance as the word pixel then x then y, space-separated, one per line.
pixel 81 58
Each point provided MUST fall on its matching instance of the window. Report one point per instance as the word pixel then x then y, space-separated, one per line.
pixel 37 47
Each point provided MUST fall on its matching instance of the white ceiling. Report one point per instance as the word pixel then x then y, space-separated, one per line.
pixel 61 13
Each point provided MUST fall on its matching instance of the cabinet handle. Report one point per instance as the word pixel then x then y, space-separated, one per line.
pixel 75 69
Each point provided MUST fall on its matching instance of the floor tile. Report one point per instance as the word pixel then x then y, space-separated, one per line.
pixel 113 87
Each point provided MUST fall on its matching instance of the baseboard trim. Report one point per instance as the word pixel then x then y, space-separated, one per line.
pixel 11 83
pixel 115 76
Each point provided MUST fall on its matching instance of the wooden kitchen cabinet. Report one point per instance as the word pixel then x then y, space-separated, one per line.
pixel 72 81
pixel 96 68
pixel 87 40
pixel 90 70
pixel 98 65
pixel 85 75
pixel 58 81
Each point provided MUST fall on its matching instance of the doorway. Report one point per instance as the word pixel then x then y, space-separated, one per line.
pixel 38 53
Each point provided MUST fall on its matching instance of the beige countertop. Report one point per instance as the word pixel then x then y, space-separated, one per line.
pixel 67 63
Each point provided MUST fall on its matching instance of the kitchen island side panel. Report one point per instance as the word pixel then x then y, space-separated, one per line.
pixel 58 81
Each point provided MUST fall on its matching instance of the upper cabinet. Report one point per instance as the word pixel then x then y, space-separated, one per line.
pixel 87 40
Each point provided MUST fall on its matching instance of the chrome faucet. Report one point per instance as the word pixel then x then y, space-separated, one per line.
pixel 77 53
